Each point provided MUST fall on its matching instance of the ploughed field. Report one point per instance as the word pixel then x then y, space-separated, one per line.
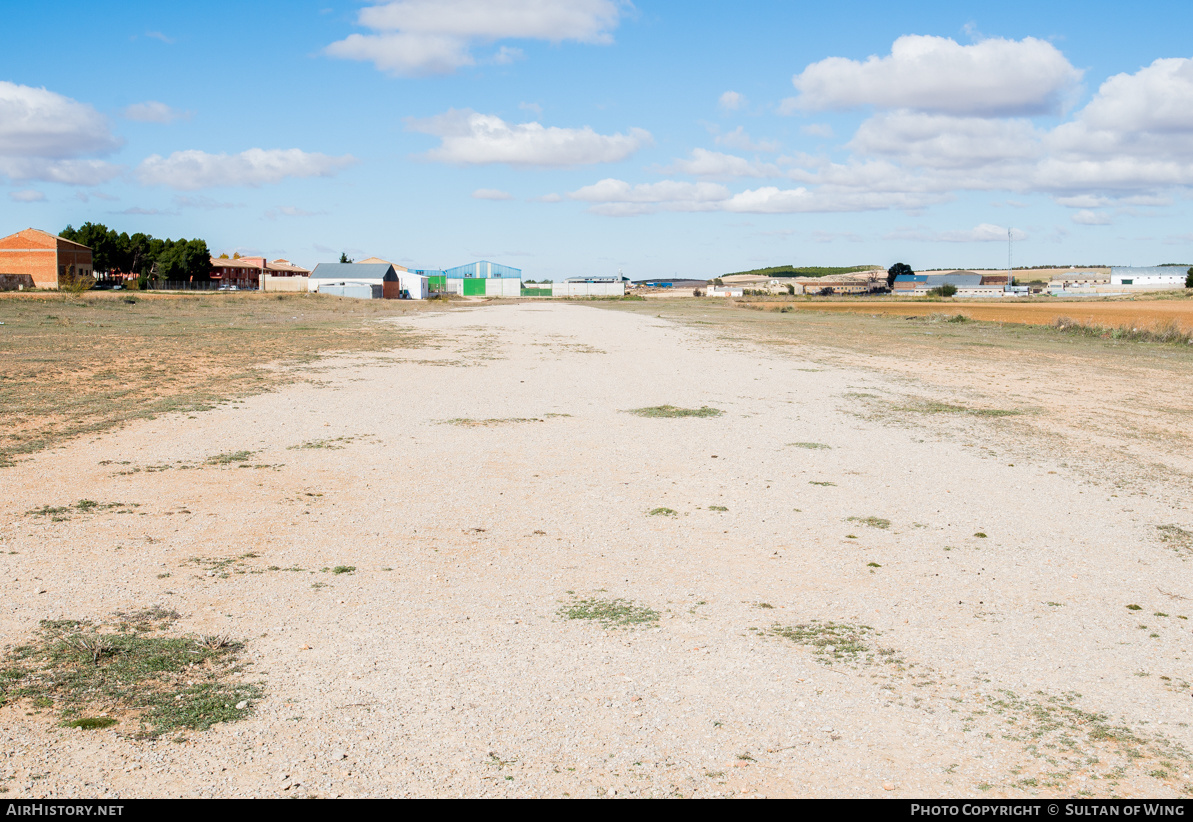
pixel 549 549
pixel 1137 312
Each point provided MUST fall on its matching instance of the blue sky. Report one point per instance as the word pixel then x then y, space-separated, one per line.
pixel 570 137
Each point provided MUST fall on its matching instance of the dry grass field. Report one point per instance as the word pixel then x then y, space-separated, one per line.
pixel 1137 312
pixel 83 364
pixel 314 547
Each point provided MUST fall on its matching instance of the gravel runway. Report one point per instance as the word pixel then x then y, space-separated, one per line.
pixel 846 606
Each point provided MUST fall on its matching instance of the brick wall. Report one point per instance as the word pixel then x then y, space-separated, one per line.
pixel 42 256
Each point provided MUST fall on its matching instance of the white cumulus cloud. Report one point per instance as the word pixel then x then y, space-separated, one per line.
pixel 470 138
pixel 942 141
pixel 732 101
pixel 152 111
pixel 741 141
pixel 46 136
pixel 192 169
pixel 413 37
pixel 937 74
pixel 1087 217
pixel 618 198
pixel 720 166
pixel 984 233
pixel 1136 133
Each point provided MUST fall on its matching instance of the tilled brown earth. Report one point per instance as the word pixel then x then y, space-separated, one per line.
pixel 798 599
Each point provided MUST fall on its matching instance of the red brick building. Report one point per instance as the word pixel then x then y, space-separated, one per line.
pixel 43 256
pixel 245 272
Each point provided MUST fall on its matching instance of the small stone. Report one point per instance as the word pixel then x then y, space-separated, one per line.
pixel 241 705
pixel 887 786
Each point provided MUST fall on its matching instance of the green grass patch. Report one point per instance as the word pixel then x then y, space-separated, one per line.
pixel 873 522
pixel 619 613
pixel 230 457
pixel 465 422
pixel 717 508
pixel 84 506
pixel 675 411
pixel 823 484
pixel 830 641
pixel 934 407
pixel 90 723
pixel 162 683
pixel 1175 537
pixel 662 512
pixel 343 569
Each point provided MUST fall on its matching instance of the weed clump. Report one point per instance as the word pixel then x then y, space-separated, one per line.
pixel 830 641
pixel 230 457
pixel 163 683
pixel 675 411
pixel 663 512
pixel 618 613
pixel 1171 332
pixel 873 522
pixel 343 569
pixel 1176 538
pixel 465 422
pixel 934 407
pixel 61 513
pixel 812 446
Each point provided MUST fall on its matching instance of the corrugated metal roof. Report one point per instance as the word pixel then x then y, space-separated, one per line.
pixel 355 271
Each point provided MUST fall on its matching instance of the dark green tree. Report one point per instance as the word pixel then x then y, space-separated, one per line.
pixel 344 258
pixel 897 270
pixel 1189 279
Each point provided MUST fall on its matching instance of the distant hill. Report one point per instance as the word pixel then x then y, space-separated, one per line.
pixel 802 271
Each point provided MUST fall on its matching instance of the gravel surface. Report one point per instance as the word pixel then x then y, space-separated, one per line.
pixel 826 620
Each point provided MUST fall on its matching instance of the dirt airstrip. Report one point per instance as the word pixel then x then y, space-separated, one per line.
pixel 463 568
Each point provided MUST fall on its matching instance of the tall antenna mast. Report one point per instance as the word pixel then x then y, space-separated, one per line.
pixel 1010 267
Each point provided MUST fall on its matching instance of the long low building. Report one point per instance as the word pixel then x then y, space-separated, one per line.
pixel 334 278
pixel 591 287
pixel 478 279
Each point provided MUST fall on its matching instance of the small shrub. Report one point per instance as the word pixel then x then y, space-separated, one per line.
pixel 343 569
pixel 1134 607
pixel 662 512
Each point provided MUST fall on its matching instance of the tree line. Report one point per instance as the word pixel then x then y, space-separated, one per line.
pixel 142 255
